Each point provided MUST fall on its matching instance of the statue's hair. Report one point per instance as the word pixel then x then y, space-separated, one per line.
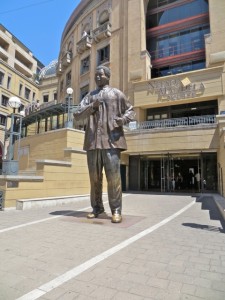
pixel 106 70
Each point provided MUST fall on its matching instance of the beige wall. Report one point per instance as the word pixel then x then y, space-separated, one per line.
pixel 16 79
pixel 212 79
pixel 173 140
pixel 128 57
pixel 51 165
pixel 49 145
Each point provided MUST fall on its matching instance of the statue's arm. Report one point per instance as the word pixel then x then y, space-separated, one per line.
pixel 84 109
pixel 129 114
pixel 127 110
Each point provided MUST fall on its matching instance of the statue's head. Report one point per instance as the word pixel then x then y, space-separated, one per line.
pixel 102 76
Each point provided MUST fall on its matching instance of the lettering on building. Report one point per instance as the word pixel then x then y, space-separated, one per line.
pixel 175 89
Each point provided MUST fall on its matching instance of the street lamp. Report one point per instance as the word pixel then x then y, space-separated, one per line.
pixel 14 102
pixel 69 92
pixel 9 165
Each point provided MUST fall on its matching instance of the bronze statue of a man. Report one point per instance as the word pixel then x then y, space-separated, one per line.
pixel 107 110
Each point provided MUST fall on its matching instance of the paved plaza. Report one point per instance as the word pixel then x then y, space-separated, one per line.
pixel 167 247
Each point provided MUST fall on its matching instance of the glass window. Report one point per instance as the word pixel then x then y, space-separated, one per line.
pixel 2 120
pixel 85 65
pixel 103 55
pixel 193 8
pixel 84 91
pixel 1 77
pixel 27 93
pixel 164 116
pixel 196 65
pixel 187 67
pixel 5 100
pixel 9 82
pixel 68 78
pixel 178 42
pixel 158 3
pixel 45 98
pixel 179 68
pixel 20 89
pixel 61 86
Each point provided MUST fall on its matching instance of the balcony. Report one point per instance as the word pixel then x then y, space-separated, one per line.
pixel 66 59
pixel 59 68
pixel 173 123
pixel 19 66
pixel 4 54
pixel 84 44
pixel 102 32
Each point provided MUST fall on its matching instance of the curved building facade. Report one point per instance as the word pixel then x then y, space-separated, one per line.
pixel 168 58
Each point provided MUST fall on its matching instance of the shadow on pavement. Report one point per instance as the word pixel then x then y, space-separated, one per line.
pixel 208 203
pixel 102 219
pixel 77 214
pixel 204 227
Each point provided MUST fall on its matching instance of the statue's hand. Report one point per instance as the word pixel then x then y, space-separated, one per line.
pixel 96 104
pixel 118 121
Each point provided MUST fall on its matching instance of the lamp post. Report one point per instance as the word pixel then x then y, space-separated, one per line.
pixel 9 165
pixel 69 97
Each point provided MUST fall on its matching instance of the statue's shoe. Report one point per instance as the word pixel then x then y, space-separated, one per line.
pixel 95 213
pixel 116 218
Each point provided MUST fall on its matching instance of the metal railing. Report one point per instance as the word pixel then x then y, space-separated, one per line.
pixel 171 123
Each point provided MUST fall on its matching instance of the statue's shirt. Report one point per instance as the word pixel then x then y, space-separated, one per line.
pixel 102 132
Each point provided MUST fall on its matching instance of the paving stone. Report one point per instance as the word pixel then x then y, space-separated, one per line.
pixel 183 259
pixel 123 295
pixel 209 294
pixel 188 289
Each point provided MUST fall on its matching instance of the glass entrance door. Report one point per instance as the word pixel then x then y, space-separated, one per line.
pixel 179 173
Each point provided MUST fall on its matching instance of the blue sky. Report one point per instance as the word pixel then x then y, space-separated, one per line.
pixel 38 24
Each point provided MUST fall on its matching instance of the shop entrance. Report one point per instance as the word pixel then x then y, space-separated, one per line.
pixel 174 173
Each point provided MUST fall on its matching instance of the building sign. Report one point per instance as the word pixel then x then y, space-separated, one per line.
pixel 176 89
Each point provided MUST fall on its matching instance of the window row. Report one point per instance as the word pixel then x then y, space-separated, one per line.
pixel 183 110
pixel 45 97
pixel 158 3
pixel 4 100
pixel 23 91
pixel 176 43
pixel 2 80
pixel 178 68
pixel 103 56
pixel 188 10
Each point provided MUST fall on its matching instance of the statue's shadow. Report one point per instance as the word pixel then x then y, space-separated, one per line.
pixel 79 214
pixel 102 219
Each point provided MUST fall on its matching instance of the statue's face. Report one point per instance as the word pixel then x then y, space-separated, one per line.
pixel 100 78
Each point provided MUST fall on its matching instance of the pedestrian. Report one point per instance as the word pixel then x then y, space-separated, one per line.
pixel 198 180
pixel 106 110
pixel 179 181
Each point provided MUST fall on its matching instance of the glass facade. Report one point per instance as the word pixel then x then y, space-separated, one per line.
pixel 187 10
pixel 176 43
pixel 175 35
pixel 178 68
pixel 175 173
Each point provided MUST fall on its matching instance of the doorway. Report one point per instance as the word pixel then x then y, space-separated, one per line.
pixel 179 173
